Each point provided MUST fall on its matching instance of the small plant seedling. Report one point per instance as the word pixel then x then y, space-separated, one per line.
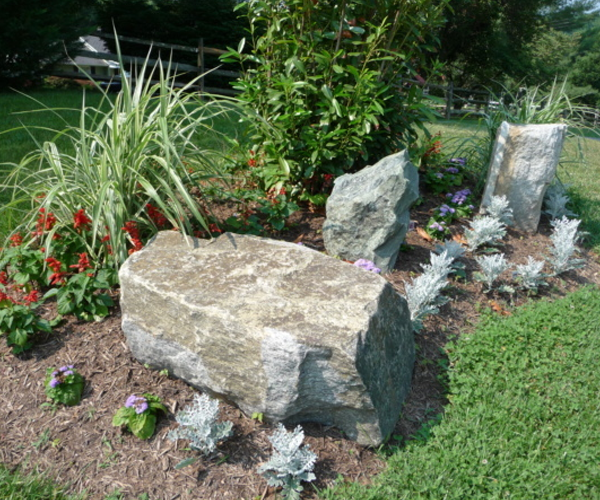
pixel 259 417
pixel 64 385
pixel 42 440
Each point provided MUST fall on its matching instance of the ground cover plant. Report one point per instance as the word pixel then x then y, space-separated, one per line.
pixel 112 376
pixel 522 414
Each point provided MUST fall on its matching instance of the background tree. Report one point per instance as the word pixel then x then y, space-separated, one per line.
pixel 35 34
pixel 488 40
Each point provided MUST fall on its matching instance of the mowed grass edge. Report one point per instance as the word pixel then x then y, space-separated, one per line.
pixel 523 415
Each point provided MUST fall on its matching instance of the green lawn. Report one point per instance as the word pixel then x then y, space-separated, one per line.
pixel 523 417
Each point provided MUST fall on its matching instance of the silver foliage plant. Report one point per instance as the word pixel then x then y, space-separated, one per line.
pixel 453 249
pixel 492 266
pixel 500 209
pixel 198 425
pixel 485 230
pixel 530 275
pixel 555 202
pixel 290 463
pixel 564 239
pixel 423 294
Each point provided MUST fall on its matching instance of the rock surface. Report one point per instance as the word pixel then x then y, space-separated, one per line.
pixel 523 165
pixel 368 212
pixel 273 327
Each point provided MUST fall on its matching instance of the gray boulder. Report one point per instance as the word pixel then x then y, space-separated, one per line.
pixel 273 327
pixel 522 166
pixel 368 212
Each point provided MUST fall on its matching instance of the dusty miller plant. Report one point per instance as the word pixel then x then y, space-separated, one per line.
pixel 492 266
pixel 499 209
pixel 530 275
pixel 486 230
pixel 198 424
pixel 564 238
pixel 423 295
pixel 555 202
pixel 290 463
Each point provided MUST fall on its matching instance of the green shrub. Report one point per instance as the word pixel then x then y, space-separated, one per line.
pixel 323 82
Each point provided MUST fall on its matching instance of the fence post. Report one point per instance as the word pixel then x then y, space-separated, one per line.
pixel 201 63
pixel 449 100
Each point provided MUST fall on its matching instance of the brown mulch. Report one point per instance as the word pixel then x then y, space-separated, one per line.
pixel 81 449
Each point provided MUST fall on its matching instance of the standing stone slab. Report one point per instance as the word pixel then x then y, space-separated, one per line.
pixel 523 165
pixel 273 327
pixel 368 212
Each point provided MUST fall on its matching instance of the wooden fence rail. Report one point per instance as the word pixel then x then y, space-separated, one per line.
pixel 177 67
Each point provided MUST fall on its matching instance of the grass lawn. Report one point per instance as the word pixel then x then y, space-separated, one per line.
pixel 523 415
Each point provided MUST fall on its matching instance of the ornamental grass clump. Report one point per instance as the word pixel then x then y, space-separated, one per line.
pixel 198 425
pixel 64 385
pixel 139 414
pixel 138 148
pixel 492 266
pixel 423 295
pixel 564 238
pixel 290 464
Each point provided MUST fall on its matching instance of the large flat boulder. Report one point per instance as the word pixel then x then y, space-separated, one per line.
pixel 523 165
pixel 368 212
pixel 273 327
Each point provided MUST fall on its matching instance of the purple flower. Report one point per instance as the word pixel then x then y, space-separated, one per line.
pixel 367 265
pixel 439 175
pixel 460 161
pixel 54 382
pixel 452 170
pixel 449 195
pixel 139 403
pixel 437 227
pixel 445 210
pixel 68 372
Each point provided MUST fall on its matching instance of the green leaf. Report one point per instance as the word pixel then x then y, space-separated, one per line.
pixel 186 462
pixel 143 425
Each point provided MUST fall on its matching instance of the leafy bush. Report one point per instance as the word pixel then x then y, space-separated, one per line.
pixel 138 415
pixel 530 275
pixel 290 464
pixel 322 80
pixel 500 209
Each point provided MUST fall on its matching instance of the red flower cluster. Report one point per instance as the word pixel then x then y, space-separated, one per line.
pixel 81 222
pixel 45 222
pixel 156 216
pixel 31 297
pixel 16 239
pixel 58 276
pixel 3 278
pixel 213 228
pixel 132 229
pixel 3 296
pixel 83 263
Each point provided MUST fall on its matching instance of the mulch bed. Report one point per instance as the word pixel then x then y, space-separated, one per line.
pixel 81 449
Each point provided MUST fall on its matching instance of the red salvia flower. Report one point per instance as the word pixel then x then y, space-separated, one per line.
pixel 3 296
pixel 54 264
pixel 83 263
pixel 45 222
pixel 156 216
pixel 3 278
pixel 132 229
pixel 16 239
pixel 80 220
pixel 57 278
pixel 31 297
